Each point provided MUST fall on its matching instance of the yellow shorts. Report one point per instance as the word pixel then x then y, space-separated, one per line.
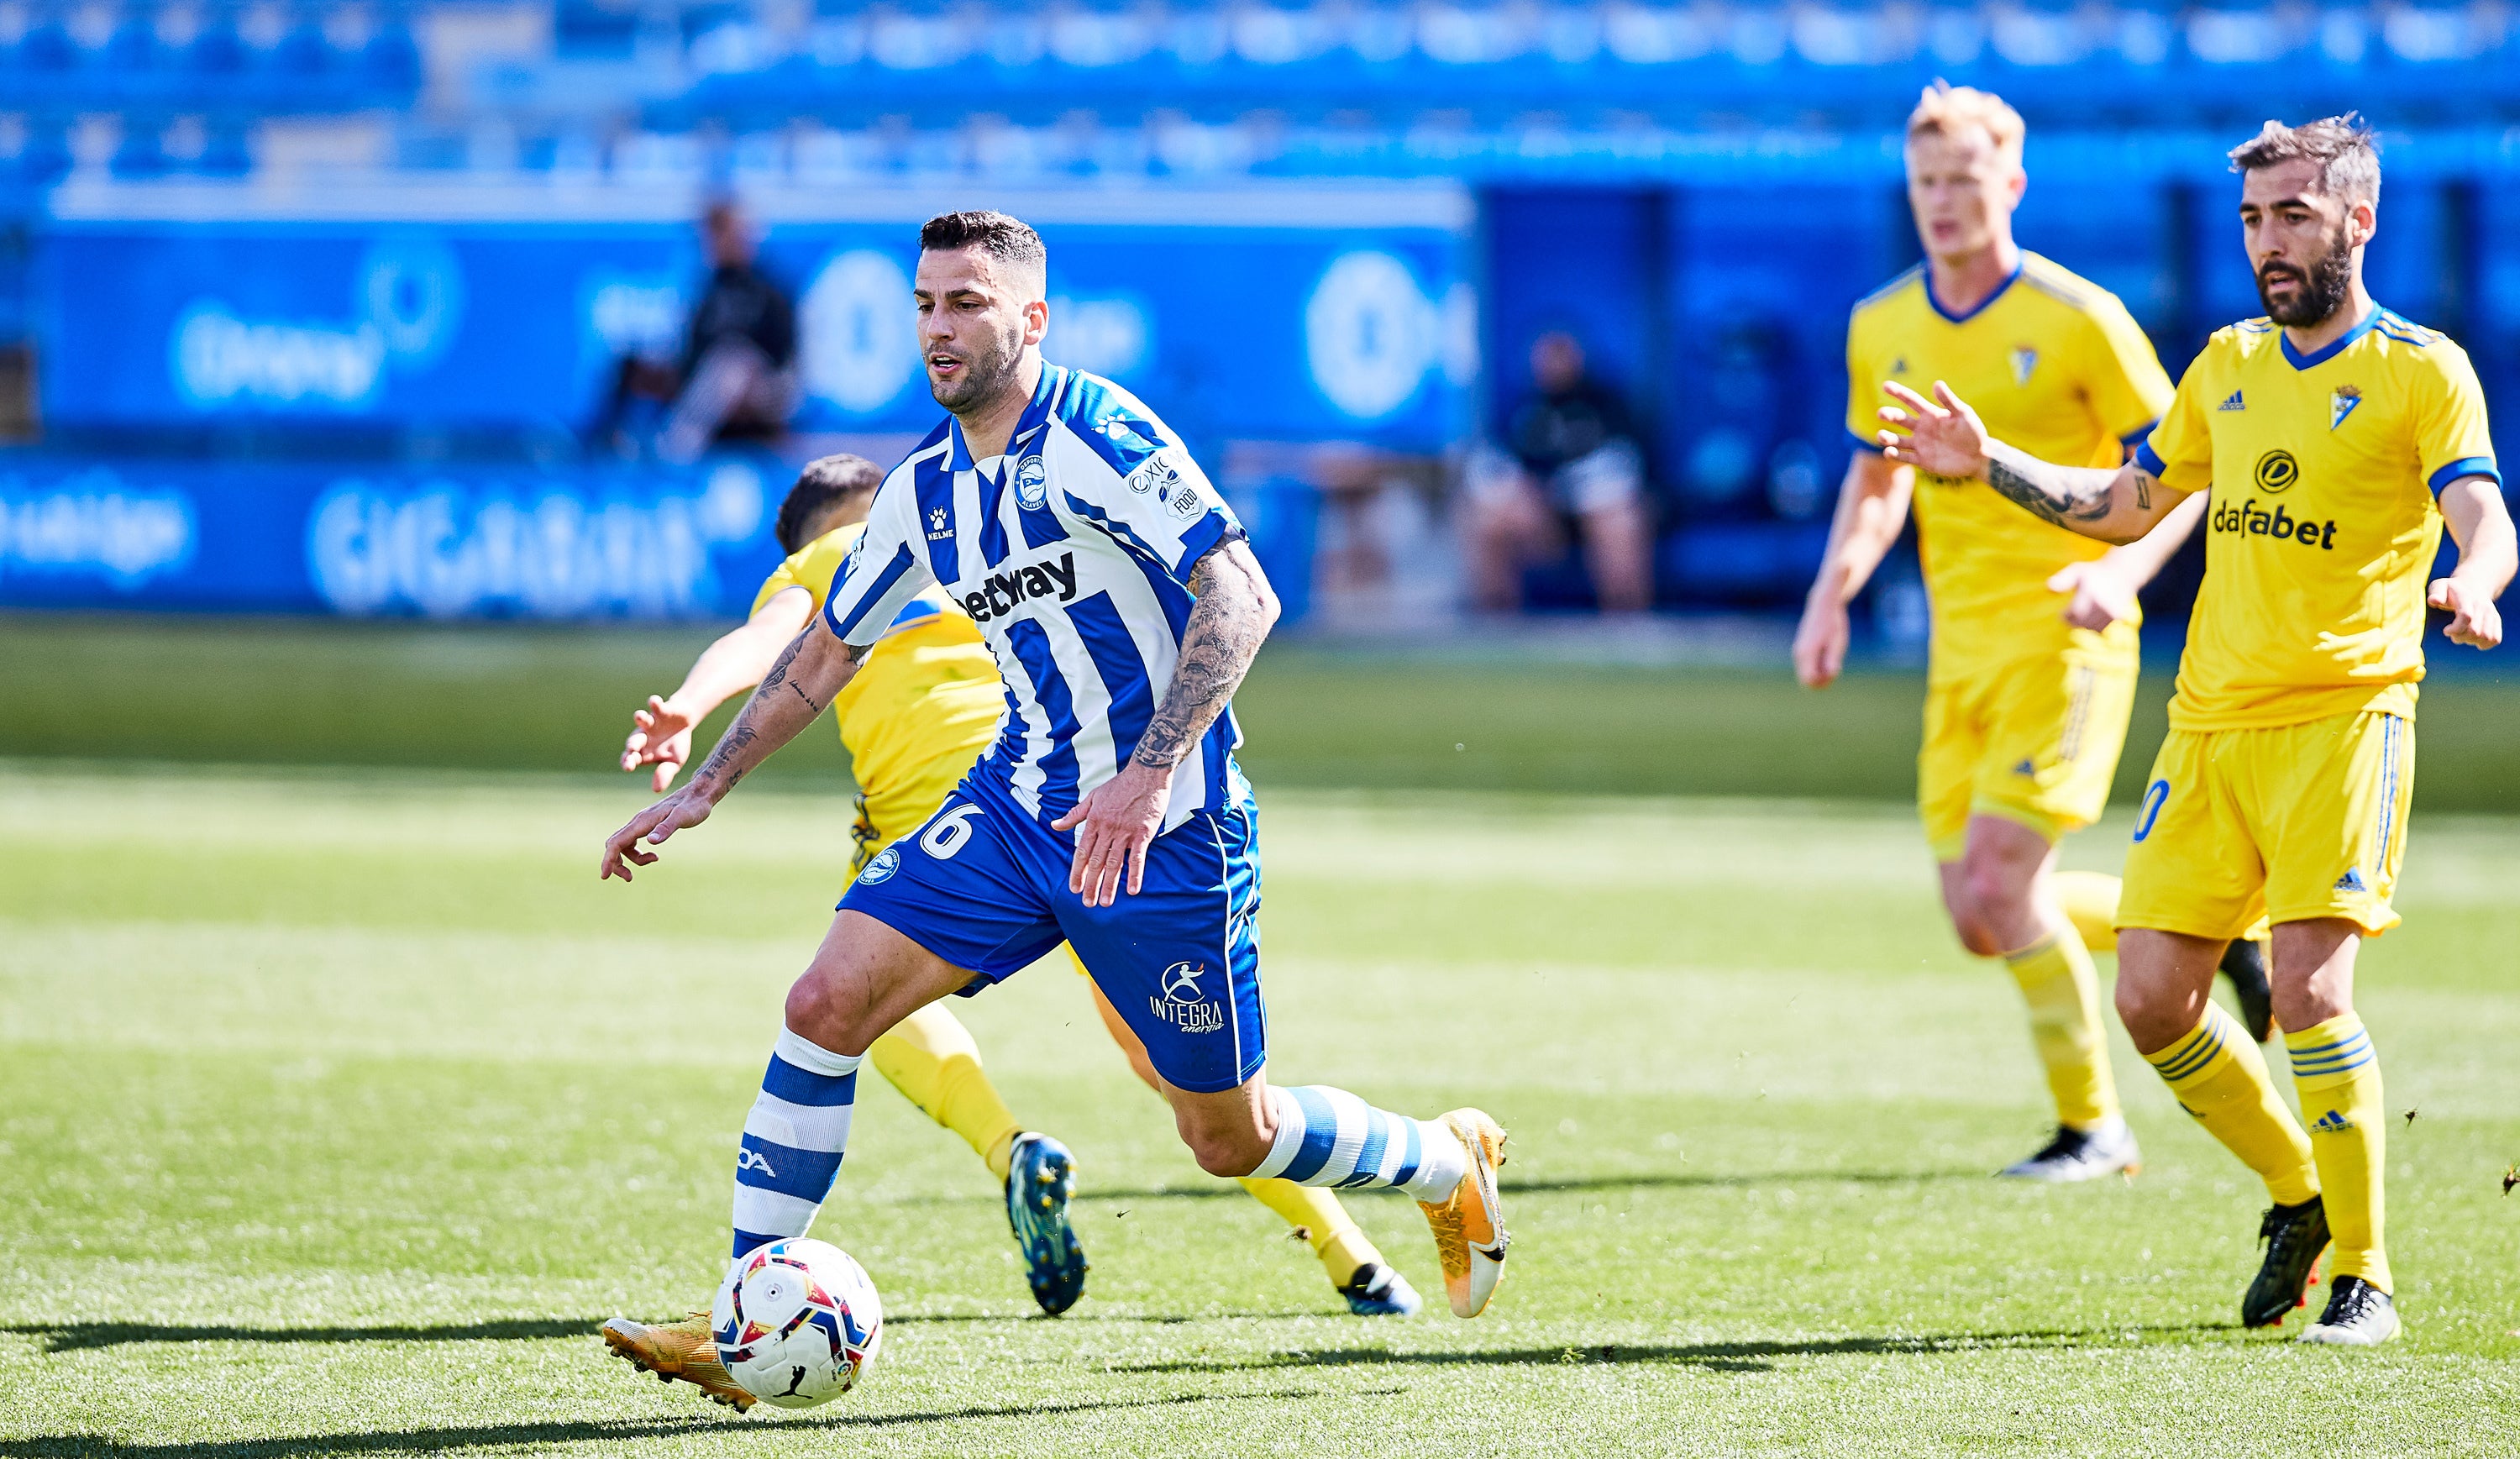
pixel 2295 821
pixel 2035 742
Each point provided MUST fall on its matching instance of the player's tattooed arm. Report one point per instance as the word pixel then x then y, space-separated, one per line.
pixel 2068 497
pixel 1235 611
pixel 1943 437
pixel 808 675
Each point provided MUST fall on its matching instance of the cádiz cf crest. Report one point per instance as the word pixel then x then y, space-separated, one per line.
pixel 2341 404
pixel 2024 359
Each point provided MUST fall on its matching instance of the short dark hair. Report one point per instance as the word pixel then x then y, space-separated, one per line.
pixel 825 482
pixel 2345 147
pixel 1010 240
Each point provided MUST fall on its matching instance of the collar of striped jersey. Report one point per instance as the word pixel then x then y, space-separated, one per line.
pixel 1045 399
pixel 2333 347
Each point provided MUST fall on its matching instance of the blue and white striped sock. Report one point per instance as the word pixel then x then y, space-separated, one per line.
pixel 793 1141
pixel 1328 1136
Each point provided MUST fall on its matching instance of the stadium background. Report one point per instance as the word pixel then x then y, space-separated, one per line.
pixel 304 309
pixel 338 1103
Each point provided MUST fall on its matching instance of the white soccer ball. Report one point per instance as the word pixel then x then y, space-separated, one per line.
pixel 796 1322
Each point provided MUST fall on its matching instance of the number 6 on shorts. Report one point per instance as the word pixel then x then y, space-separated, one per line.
pixel 946 834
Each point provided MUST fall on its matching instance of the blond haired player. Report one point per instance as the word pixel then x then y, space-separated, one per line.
pixel 924 705
pixel 2027 699
pixel 2337 439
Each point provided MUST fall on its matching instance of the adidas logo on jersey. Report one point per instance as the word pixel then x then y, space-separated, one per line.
pixel 2351 881
pixel 2025 768
pixel 2233 404
pixel 2332 1122
pixel 1001 593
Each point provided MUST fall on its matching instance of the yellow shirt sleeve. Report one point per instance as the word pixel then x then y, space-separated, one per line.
pixel 811 568
pixel 1864 398
pixel 2179 453
pixel 2451 434
pixel 2128 390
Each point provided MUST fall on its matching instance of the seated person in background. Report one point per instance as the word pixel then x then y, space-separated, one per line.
pixel 1575 471
pixel 737 378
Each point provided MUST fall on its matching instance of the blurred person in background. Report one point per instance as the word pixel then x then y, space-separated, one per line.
pixel 736 378
pixel 2032 672
pixel 1573 470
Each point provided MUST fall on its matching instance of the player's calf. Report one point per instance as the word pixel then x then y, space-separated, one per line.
pixel 1325 1136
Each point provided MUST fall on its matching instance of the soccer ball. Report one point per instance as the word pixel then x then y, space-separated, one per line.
pixel 796 1322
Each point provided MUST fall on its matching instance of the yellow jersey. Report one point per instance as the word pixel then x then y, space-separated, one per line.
pixel 2056 365
pixel 925 703
pixel 2322 529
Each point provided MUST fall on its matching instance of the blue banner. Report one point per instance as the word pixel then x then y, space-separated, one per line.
pixel 1297 316
pixel 462 543
pixel 458 542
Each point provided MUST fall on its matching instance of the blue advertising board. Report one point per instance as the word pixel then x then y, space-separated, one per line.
pixel 475 542
pixel 459 541
pixel 1306 312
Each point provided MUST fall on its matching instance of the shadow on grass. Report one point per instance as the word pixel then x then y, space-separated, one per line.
pixel 1645 1180
pixel 588 1431
pixel 1735 1357
pixel 70 1337
pixel 75 1337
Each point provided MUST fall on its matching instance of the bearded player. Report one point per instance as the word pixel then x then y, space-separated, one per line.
pixel 921 709
pixel 2337 439
pixel 2026 703
pixel 1124 607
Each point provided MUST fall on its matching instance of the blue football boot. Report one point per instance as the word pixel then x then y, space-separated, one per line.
pixel 1041 1177
pixel 1378 1291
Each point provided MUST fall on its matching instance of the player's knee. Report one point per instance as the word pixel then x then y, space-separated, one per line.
pixel 819 1012
pixel 1996 888
pixel 1227 1151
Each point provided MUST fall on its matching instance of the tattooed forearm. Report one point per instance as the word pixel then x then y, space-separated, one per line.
pixel 1226 625
pixel 722 760
pixel 804 681
pixel 2062 503
pixel 2142 491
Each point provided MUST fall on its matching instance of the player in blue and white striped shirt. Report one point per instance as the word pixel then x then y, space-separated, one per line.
pixel 1123 606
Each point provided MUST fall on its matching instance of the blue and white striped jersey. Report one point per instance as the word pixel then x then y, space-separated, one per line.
pixel 1071 552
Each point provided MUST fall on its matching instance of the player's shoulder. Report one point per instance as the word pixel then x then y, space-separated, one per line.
pixel 1115 426
pixel 938 442
pixel 2044 278
pixel 2416 350
pixel 1906 291
pixel 2242 339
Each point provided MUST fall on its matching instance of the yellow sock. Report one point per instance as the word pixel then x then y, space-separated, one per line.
pixel 933 1060
pixel 2221 1078
pixel 2064 996
pixel 2337 1074
pixel 2090 900
pixel 1324 1222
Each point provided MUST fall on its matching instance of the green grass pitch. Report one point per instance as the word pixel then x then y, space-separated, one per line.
pixel 337 1109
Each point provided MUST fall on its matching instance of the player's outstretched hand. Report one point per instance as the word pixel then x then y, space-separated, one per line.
pixel 2474 620
pixel 680 811
pixel 661 736
pixel 1942 437
pixel 1114 825
pixel 1820 644
pixel 2101 593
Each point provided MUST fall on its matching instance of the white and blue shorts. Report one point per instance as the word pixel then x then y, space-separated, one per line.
pixel 984 885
